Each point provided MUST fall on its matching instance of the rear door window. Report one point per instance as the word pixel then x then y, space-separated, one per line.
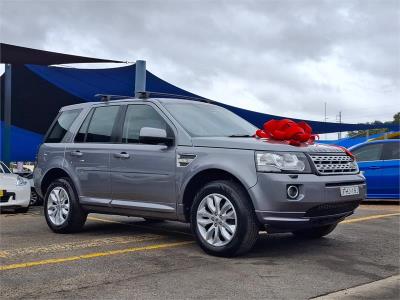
pixel 62 125
pixel 99 127
pixel 369 152
pixel 391 151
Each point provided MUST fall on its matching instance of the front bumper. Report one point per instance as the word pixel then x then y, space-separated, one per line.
pixel 20 196
pixel 319 201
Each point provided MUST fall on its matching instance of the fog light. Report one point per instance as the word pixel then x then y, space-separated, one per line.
pixel 292 191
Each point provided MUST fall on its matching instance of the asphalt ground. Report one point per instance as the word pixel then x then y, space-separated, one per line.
pixel 128 258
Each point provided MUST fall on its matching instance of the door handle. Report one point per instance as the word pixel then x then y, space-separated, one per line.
pixel 374 167
pixel 76 153
pixel 122 155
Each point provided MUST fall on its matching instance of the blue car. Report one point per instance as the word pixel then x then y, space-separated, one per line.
pixel 380 162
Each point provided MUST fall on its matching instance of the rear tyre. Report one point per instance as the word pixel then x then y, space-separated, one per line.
pixel 61 207
pixel 35 198
pixel 315 232
pixel 223 220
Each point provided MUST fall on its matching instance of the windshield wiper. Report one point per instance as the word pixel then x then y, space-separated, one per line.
pixel 240 135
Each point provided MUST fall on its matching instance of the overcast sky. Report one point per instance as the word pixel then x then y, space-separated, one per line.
pixel 277 57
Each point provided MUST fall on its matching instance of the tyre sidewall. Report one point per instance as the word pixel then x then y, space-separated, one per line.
pixel 237 197
pixel 73 209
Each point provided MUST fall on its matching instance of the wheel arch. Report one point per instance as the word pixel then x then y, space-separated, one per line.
pixel 50 176
pixel 199 180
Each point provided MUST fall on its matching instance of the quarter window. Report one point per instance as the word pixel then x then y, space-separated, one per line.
pixel 62 125
pixel 368 152
pixel 98 125
pixel 139 116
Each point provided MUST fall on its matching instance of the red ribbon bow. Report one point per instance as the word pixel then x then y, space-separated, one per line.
pixel 287 130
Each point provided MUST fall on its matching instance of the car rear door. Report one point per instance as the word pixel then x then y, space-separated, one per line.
pixel 369 161
pixel 51 152
pixel 391 170
pixel 89 155
pixel 143 175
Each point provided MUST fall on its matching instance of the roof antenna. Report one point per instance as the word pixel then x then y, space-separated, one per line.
pixel 140 80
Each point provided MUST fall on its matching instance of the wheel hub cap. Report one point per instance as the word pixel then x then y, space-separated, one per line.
pixel 58 206
pixel 216 220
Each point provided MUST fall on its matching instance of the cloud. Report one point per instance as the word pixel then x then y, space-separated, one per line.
pixel 279 57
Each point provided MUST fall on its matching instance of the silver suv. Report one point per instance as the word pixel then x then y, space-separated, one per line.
pixel 170 159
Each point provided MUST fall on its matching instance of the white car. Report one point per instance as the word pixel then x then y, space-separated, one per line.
pixel 15 191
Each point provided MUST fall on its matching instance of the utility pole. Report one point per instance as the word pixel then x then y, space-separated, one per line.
pixel 6 134
pixel 325 117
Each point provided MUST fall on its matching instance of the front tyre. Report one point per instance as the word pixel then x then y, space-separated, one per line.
pixel 223 220
pixel 315 232
pixel 61 208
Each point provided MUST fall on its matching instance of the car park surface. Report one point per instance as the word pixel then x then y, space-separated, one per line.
pixel 118 257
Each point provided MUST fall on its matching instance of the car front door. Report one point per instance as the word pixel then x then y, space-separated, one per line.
pixel 369 161
pixel 89 155
pixel 391 170
pixel 143 175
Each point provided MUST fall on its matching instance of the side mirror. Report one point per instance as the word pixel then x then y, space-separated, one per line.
pixel 154 136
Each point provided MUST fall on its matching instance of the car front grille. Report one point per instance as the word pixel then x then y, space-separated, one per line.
pixel 333 164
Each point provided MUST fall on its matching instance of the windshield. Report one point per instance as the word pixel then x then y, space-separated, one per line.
pixel 207 120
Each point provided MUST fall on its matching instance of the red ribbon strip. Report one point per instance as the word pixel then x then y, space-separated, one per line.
pixel 287 130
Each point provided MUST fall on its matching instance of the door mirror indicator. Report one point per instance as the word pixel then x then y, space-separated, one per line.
pixel 150 135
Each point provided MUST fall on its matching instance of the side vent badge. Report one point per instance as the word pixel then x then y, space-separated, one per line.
pixel 183 160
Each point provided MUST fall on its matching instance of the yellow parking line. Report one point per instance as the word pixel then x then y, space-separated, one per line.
pixel 354 220
pixel 379 207
pixel 79 245
pixel 91 255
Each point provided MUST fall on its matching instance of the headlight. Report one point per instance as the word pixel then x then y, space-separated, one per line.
pixel 21 181
pixel 282 162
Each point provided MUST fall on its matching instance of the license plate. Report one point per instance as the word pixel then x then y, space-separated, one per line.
pixel 349 190
pixel 2 192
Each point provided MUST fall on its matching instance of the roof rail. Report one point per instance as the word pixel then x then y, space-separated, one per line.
pixel 148 94
pixel 106 97
pixel 167 95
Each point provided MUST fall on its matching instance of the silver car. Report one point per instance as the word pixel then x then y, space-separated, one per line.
pixel 170 159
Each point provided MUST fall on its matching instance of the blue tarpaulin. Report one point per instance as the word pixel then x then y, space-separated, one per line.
pixel 39 92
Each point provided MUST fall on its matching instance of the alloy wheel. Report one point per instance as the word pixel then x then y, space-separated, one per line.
pixel 216 220
pixel 58 206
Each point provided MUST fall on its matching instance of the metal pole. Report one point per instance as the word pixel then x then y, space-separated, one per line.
pixel 140 79
pixel 325 117
pixel 340 122
pixel 6 134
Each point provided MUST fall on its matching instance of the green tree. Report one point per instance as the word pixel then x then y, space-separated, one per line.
pixel 361 133
pixel 396 118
